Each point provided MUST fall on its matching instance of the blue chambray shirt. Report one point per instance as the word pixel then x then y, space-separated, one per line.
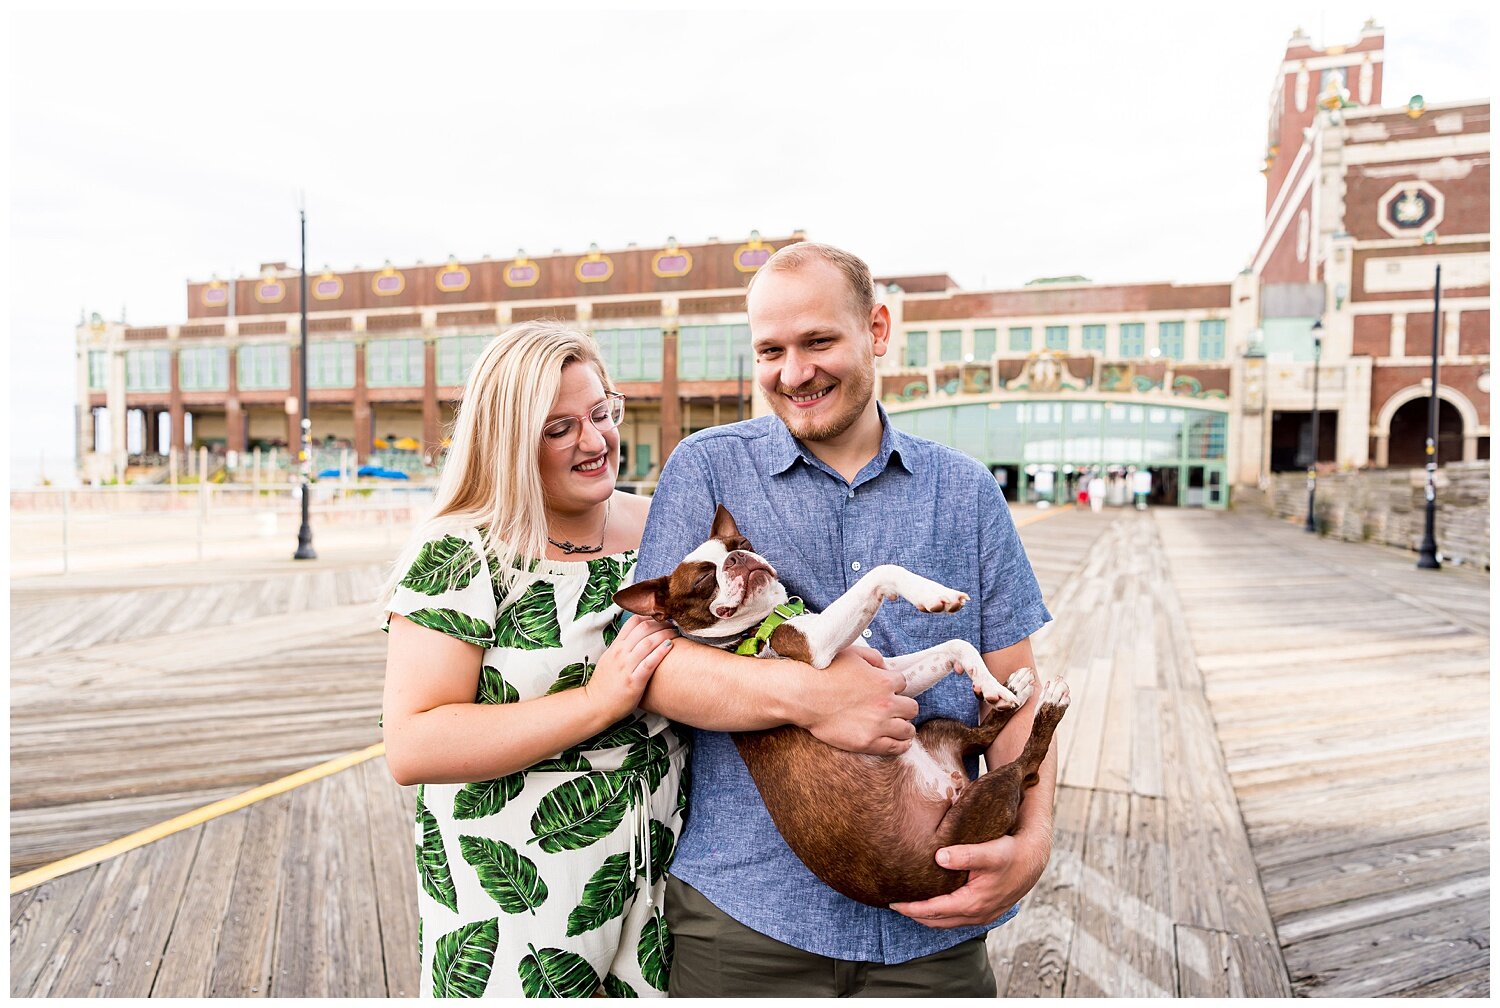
pixel 919 504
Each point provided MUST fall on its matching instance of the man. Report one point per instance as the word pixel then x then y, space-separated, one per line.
pixel 824 489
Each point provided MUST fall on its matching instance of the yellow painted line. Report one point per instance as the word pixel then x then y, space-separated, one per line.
pixel 188 820
pixel 1036 516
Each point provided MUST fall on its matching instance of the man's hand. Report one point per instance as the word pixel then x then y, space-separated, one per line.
pixel 855 704
pixel 1000 873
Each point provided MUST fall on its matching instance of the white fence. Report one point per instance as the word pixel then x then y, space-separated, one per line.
pixel 57 530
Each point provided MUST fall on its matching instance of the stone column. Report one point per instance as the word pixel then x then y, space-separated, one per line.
pixel 671 404
pixel 430 434
pixel 364 427
pixel 234 412
pixel 178 422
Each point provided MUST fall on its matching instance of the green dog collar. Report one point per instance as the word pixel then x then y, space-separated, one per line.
pixel 754 645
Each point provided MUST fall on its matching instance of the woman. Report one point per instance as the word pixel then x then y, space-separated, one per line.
pixel 548 805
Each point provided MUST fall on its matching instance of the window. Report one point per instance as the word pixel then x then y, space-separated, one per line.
pixel 1093 337
pixel 330 365
pixel 1211 339
pixel 98 369
pixel 456 356
pixel 203 368
pixel 950 346
pixel 1169 338
pixel 1020 338
pixel 1057 337
pixel 267 366
pixel 712 352
pixel 391 363
pixel 916 349
pixel 984 344
pixel 148 370
pixel 632 354
pixel 1133 339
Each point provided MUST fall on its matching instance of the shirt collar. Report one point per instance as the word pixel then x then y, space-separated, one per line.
pixel 784 450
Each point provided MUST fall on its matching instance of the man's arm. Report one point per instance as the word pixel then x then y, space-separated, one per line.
pixel 1004 869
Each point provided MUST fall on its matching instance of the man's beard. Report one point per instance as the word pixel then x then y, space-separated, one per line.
pixel 855 390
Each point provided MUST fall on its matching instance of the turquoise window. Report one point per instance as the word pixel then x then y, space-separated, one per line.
pixel 950 346
pixel 330 365
pixel 712 352
pixel 266 366
pixel 1133 339
pixel 148 370
pixel 393 363
pixel 1093 338
pixel 984 344
pixel 1169 337
pixel 98 369
pixel 1057 337
pixel 916 349
pixel 632 354
pixel 1211 340
pixel 203 369
pixel 1020 338
pixel 456 356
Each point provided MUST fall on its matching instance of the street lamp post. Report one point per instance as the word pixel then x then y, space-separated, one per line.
pixel 304 534
pixel 1427 557
pixel 1312 466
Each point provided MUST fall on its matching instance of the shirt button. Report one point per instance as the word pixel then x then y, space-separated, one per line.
pixel 851 494
pixel 855 565
pixel 866 633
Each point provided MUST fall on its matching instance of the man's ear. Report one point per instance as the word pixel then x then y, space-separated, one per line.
pixel 724 526
pixel 880 329
pixel 644 598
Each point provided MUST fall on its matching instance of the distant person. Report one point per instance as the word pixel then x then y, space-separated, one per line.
pixel 548 804
pixel 1096 492
pixel 1140 486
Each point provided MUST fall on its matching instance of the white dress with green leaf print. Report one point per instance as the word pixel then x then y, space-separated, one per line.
pixel 547 882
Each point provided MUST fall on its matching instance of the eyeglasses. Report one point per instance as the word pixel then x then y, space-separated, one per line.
pixel 563 433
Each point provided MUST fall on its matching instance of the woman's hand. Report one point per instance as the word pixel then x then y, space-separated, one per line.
pixel 625 668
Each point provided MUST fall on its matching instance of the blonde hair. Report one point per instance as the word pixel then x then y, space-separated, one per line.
pixel 490 478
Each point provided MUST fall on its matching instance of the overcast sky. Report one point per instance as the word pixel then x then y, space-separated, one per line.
pixel 1119 141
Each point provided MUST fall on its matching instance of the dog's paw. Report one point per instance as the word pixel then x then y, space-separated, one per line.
pixel 1022 683
pixel 986 686
pixel 1055 694
pixel 933 597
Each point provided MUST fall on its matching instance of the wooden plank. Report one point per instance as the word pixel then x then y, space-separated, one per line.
pixel 1146 749
pixel 243 962
pixel 124 920
pixel 1382 907
pixel 193 945
pixel 1393 955
pixel 1118 729
pixel 1030 955
pixel 40 917
pixel 392 814
pixel 1370 870
pixel 327 936
pixel 1471 983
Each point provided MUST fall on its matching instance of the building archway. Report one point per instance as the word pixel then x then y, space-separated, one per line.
pixel 1403 442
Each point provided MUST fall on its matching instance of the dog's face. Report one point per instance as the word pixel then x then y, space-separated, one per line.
pixel 720 589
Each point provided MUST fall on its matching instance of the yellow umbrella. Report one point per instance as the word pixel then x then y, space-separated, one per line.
pixel 408 444
pixel 380 443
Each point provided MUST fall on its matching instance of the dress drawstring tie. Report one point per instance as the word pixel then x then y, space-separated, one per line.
pixel 640 855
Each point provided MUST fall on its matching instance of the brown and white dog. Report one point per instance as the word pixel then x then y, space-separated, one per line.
pixel 869 826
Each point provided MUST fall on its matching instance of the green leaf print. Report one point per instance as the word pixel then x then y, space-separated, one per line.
pixel 484 798
pixel 454 624
pixel 506 874
pixel 616 988
pixel 683 786
pixel 464 959
pixel 649 758
pixel 446 564
pixel 604 895
pixel 611 631
pixel 605 575
pixel 555 973
pixel 581 811
pixel 432 860
pixel 530 623
pixel 663 846
pixel 627 731
pixel 575 675
pixel 494 689
pixel 654 951
pixel 567 761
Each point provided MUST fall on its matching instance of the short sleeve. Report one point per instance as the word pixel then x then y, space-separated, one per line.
pixel 448 589
pixel 682 513
pixel 1012 605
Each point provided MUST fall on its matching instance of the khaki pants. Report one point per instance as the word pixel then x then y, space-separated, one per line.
pixel 717 956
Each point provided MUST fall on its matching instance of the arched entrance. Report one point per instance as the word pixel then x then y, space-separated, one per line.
pixel 1408 438
pixel 1041 450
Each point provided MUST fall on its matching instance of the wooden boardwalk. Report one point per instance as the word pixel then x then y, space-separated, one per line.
pixel 194 683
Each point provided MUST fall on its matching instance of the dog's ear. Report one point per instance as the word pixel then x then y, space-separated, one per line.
pixel 724 526
pixel 644 598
